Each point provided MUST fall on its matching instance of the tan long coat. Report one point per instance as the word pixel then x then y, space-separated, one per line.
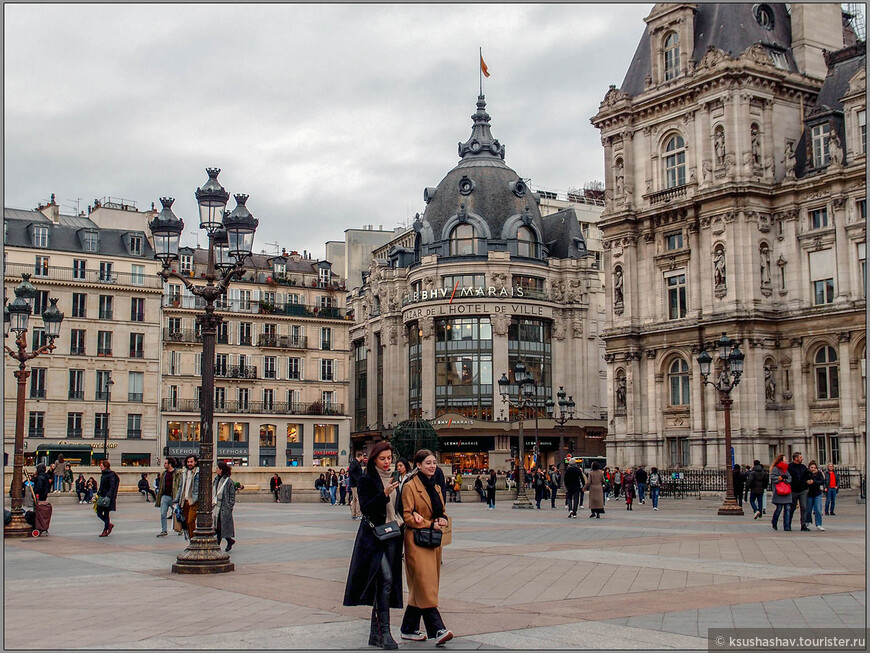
pixel 422 566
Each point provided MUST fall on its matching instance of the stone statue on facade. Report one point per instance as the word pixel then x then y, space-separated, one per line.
pixel 765 266
pixel 719 267
pixel 834 149
pixel 618 297
pixel 769 384
pixel 620 392
pixel 789 160
pixel 719 147
pixel 756 148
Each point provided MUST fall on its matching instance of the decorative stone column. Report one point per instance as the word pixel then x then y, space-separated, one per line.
pixel 427 329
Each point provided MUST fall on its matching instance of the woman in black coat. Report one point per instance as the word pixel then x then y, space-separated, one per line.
pixel 109 482
pixel 375 574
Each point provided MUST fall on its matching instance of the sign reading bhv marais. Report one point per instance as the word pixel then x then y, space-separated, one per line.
pixel 470 292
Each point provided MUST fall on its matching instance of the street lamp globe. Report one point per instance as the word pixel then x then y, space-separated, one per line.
pixel 19 315
pixel 212 199
pixel 724 345
pixel 550 405
pixel 570 407
pixel 25 290
pixel 51 318
pixel 503 384
pixel 240 226
pixel 222 259
pixel 705 361
pixel 735 361
pixel 166 228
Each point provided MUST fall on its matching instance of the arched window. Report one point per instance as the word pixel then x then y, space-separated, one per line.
pixel 462 240
pixel 827 374
pixel 678 379
pixel 672 55
pixel 675 161
pixel 526 242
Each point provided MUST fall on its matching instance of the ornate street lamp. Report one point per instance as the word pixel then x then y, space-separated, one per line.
pixel 107 390
pixel 16 317
pixel 566 412
pixel 731 359
pixel 526 392
pixel 230 241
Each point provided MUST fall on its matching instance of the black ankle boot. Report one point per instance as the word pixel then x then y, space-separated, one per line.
pixel 386 638
pixel 374 634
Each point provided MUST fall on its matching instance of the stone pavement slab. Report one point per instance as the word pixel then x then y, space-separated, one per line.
pixel 512 579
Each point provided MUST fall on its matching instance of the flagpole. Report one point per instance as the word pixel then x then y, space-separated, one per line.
pixel 480 69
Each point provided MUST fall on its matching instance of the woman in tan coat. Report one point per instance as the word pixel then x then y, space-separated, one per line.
pixel 423 507
pixel 595 487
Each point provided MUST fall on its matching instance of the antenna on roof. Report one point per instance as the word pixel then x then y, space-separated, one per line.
pixel 195 233
pixel 77 201
pixel 276 246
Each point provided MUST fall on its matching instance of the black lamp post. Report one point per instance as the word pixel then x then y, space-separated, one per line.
pixel 230 240
pixel 526 391
pixel 731 359
pixel 566 412
pixel 107 391
pixel 16 317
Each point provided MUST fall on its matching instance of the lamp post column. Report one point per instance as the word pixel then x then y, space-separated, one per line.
pixel 18 527
pixel 109 384
pixel 521 501
pixel 730 507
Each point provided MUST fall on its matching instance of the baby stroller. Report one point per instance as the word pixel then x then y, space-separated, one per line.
pixel 40 515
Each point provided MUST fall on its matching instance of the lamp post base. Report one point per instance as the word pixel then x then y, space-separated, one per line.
pixel 731 508
pixel 203 556
pixel 522 502
pixel 18 527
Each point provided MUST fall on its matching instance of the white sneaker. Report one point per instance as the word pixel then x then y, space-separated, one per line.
pixel 655 508
pixel 442 637
pixel 417 636
pixel 819 528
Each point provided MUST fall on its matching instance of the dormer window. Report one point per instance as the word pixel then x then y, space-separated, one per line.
pixel 186 261
pixel 90 241
pixel 280 269
pixel 526 243
pixel 324 274
pixel 136 245
pixel 764 16
pixel 675 162
pixel 463 241
pixel 819 138
pixel 671 53
pixel 40 236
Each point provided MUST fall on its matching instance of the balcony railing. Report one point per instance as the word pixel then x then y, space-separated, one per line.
pixel 37 393
pixel 181 335
pixel 104 351
pixel 257 407
pixel 101 395
pixel 106 315
pixel 135 396
pixel 56 273
pixel 236 372
pixel 74 433
pixel 257 307
pixel 100 433
pixel 134 434
pixel 137 353
pixel 76 394
pixel 668 195
pixel 77 351
pixel 35 433
pixel 282 342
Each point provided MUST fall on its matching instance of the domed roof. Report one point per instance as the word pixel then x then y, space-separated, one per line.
pixel 481 185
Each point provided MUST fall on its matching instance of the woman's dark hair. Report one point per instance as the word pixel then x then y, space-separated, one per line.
pixel 226 470
pixel 105 464
pixel 144 476
pixel 654 470
pixel 376 451
pixel 595 467
pixel 405 462
pixel 323 476
pixel 422 455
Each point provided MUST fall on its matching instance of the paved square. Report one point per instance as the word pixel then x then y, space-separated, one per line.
pixel 511 579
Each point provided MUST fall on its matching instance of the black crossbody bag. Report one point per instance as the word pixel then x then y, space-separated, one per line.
pixel 386 531
pixel 428 538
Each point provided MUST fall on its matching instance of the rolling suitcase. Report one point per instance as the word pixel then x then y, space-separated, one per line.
pixel 42 516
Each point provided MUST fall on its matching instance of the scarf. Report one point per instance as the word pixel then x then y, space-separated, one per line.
pixel 218 495
pixel 437 506
pixel 386 479
pixel 782 466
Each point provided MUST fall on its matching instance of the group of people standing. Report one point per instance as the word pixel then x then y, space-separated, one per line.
pixel 795 484
pixel 402 514
pixel 333 487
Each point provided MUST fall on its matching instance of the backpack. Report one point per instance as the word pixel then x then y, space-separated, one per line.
pixel 654 480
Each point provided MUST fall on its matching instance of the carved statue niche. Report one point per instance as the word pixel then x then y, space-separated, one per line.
pixel 500 324
pixel 769 383
pixel 834 148
pixel 720 280
pixel 755 140
pixel 618 296
pixel 764 252
pixel 719 146
pixel 619 178
pixel 789 160
pixel 499 280
pixel 620 390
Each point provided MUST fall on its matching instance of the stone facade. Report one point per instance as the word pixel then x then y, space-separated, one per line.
pixel 736 191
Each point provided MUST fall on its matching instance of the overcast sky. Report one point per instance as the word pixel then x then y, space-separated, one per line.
pixel 329 116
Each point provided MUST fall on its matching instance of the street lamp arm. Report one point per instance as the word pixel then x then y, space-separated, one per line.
pixel 209 292
pixel 22 355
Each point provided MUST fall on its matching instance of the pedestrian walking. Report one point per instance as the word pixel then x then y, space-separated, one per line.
pixel 780 481
pixel 107 496
pixel 167 487
pixel 799 476
pixel 540 485
pixel 490 491
pixel 342 487
pixel 756 483
pixel 457 486
pixel 402 471
pixel 375 574
pixel 628 489
pixel 640 480
pixel 607 483
pixel 832 485
pixel 275 484
pixel 224 499
pixel 187 496
pixel 815 485
pixel 573 483
pixel 655 486
pixel 739 483
pixel 145 489
pixel 424 513
pixel 595 487
pixel 617 482
pixel 354 471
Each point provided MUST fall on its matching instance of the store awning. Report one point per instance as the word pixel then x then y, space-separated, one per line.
pixel 61 448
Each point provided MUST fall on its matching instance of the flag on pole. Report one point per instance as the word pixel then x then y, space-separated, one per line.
pixel 483 67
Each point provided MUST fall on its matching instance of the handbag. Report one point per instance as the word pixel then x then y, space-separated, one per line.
pixel 104 502
pixel 428 538
pixel 783 488
pixel 386 531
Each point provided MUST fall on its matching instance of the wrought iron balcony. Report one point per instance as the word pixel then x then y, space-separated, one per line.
pixel 236 372
pixel 76 394
pixel 256 407
pixel 54 273
pixel 282 342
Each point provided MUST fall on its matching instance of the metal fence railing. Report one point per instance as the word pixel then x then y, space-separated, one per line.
pixel 677 483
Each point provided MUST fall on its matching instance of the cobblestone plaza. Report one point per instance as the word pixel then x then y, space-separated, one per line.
pixel 511 579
